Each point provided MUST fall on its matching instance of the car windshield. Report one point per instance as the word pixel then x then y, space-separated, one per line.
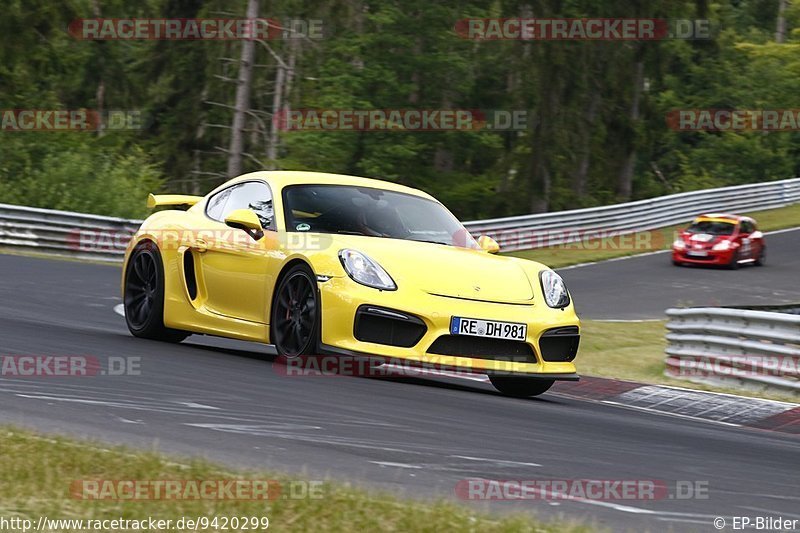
pixel 373 212
pixel 712 227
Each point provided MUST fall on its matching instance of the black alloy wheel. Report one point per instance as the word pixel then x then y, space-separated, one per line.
pixel 144 296
pixel 294 313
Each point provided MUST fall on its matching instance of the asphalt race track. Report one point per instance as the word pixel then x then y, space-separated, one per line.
pixel 225 400
pixel 644 286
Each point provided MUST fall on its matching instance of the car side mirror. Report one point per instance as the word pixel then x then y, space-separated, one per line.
pixel 488 244
pixel 247 220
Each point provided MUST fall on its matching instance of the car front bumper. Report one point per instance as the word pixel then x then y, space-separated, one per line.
pixel 713 257
pixel 341 299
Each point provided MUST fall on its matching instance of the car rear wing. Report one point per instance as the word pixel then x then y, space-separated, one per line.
pixel 159 200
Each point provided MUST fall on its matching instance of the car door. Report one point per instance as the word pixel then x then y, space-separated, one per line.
pixel 757 240
pixel 237 269
pixel 745 241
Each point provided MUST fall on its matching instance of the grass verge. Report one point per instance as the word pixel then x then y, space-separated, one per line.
pixel 37 474
pixel 591 250
pixel 8 250
pixel 635 351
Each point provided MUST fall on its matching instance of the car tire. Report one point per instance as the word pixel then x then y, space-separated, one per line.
pixel 677 263
pixel 521 387
pixel 294 320
pixel 762 257
pixel 734 262
pixel 143 299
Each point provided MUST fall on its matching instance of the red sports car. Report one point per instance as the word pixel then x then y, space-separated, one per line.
pixel 719 239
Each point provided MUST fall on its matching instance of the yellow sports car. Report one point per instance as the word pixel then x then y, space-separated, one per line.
pixel 319 263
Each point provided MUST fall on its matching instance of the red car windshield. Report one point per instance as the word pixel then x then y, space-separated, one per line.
pixel 712 227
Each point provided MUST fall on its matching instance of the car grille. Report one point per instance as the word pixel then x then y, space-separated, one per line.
pixel 387 326
pixel 701 257
pixel 483 348
pixel 560 344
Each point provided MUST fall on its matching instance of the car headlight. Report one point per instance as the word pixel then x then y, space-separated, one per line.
pixel 679 244
pixel 722 245
pixel 362 269
pixel 554 289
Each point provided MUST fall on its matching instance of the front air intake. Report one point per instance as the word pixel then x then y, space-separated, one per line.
pixel 483 348
pixel 560 344
pixel 387 326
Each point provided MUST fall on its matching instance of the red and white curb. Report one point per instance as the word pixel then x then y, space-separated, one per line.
pixel 727 409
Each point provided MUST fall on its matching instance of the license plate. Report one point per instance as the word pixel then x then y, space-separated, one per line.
pixel 697 254
pixel 488 328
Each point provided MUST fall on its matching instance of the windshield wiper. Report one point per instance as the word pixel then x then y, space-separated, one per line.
pixel 348 232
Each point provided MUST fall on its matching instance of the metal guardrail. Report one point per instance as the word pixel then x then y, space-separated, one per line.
pixel 63 233
pixel 735 347
pixel 105 238
pixel 562 227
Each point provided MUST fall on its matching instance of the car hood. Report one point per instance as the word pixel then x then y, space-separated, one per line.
pixel 704 239
pixel 445 270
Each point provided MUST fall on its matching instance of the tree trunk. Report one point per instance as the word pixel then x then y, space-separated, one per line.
pixel 539 173
pixel 416 79
pixel 780 29
pixel 283 86
pixel 242 104
pixel 100 99
pixel 580 177
pixel 100 93
pixel 625 178
pixel 294 46
pixel 541 157
pixel 277 105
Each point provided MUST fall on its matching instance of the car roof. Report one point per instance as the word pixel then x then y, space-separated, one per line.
pixel 283 178
pixel 722 217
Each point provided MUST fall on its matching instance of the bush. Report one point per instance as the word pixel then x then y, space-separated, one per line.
pixel 86 176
